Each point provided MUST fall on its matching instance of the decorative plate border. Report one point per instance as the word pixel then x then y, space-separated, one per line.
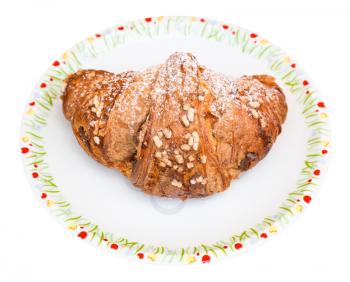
pixel 46 93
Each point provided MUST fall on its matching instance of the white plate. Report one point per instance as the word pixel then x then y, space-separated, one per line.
pixel 100 206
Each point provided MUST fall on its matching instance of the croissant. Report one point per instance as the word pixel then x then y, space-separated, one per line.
pixel 178 129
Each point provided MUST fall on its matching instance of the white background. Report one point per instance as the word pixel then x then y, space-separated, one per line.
pixel 33 247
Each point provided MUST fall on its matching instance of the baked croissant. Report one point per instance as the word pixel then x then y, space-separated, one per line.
pixel 178 129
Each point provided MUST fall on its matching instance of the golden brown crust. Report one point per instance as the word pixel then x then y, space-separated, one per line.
pixel 178 129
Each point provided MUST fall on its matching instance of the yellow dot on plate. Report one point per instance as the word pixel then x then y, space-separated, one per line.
pixel 72 226
pixel 273 229
pixel 191 259
pixel 287 60
pixel 30 111
pixel 25 138
pixel 323 115
pixel 159 19
pixel 264 42
pixel 325 143
pixel 152 257
pixel 65 56
pixel 299 208
pixel 50 203
pixel 90 39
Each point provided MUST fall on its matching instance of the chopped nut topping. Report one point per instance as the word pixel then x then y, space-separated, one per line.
pixel 254 113
pixel 180 169
pixel 164 153
pixel 187 135
pixel 176 183
pixel 185 147
pixel 193 181
pixel 201 98
pixel 160 134
pixel 254 104
pixel 179 159
pixel 176 152
pixel 190 165
pixel 199 179
pixel 168 163
pixel 186 107
pixel 263 122
pixel 162 164
pixel 190 141
pixel 203 159
pixel 195 136
pixel 191 158
pixel 157 141
pixel 97 140
pixel 175 166
pixel 167 133
pixel 190 114
pixel 185 121
pixel 158 155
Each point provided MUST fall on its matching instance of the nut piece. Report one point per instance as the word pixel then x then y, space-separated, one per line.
pixel 167 133
pixel 203 159
pixel 201 98
pixel 162 164
pixel 195 136
pixel 193 181
pixel 185 121
pixel 157 141
pixel 190 141
pixel 185 147
pixel 179 159
pixel 187 135
pixel 158 155
pixel 160 134
pixel 254 113
pixel 97 140
pixel 254 104
pixel 186 107
pixel 191 158
pixel 190 114
pixel 190 165
pixel 176 183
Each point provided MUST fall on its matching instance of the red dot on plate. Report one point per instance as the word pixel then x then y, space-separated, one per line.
pixel 148 20
pixel 105 239
pixel 324 152
pixel 321 104
pixel 263 235
pixel 197 254
pixel 253 35
pixel 305 83
pixel 114 246
pixel 35 174
pixel 43 195
pixel 293 66
pixel 317 172
pixel 307 92
pixel 205 258
pixel 238 246
pixel 35 165
pixel 140 255
pixel 82 234
pixel 225 247
pixel 202 20
pixel 120 28
pixel 309 180
pixel 225 26
pixel 307 199
pixel 24 150
pixel 56 63
pixel 43 85
pixel 233 32
pixel 98 35
pixel 51 79
pixel 32 103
